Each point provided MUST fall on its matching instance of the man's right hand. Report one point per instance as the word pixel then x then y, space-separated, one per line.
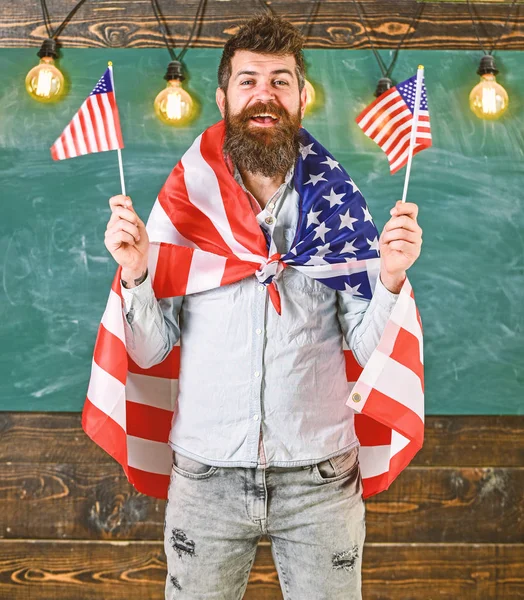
pixel 126 239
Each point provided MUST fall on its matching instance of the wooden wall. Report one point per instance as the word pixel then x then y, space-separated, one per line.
pixel 449 527
pixel 123 24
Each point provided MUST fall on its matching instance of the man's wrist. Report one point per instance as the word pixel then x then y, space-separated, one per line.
pixel 131 280
pixel 393 283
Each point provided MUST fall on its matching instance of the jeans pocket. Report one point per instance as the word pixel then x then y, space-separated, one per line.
pixel 190 468
pixel 337 467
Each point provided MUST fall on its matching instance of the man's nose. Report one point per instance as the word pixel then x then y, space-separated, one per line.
pixel 264 92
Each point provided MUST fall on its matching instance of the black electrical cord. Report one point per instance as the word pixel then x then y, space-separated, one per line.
pixel 165 32
pixel 47 20
pixel 386 72
pixel 502 31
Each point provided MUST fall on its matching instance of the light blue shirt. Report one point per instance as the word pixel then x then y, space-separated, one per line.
pixel 256 388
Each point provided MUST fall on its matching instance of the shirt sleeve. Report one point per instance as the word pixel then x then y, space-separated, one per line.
pixel 151 326
pixel 363 321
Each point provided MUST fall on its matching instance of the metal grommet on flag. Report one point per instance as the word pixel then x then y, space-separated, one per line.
pixel 356 397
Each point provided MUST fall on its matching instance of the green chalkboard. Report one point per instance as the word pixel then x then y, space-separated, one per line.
pixel 55 272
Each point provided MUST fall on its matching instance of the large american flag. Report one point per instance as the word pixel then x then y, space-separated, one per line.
pixel 388 121
pixel 96 125
pixel 204 234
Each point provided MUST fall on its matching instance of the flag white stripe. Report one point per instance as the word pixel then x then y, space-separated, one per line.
pixel 60 149
pixel 110 122
pixel 374 460
pixel 161 229
pixel 206 271
pixel 394 380
pixel 152 391
pixel 107 394
pixel 98 124
pixel 149 456
pixel 393 136
pixel 390 127
pixel 152 259
pixel 204 192
pixel 70 145
pixel 88 129
pixel 112 318
pixel 379 124
pixel 378 107
pixel 79 137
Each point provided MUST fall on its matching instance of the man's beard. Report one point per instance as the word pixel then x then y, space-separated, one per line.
pixel 270 151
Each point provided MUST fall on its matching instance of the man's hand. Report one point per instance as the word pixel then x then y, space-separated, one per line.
pixel 400 243
pixel 126 239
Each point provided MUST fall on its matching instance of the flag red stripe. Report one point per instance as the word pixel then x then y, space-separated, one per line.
pixel 92 118
pixel 185 216
pixel 104 130
pixel 353 369
pixel 240 216
pixel 386 124
pixel 84 128
pixel 116 118
pixel 416 149
pixel 54 152
pixel 110 354
pixel 105 432
pixel 169 368
pixel 391 92
pixel 395 415
pixel 371 432
pixel 75 134
pixel 152 484
pixel 169 281
pixel 148 422
pixel 406 351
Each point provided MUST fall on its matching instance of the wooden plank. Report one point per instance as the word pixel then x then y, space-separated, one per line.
pixel 436 504
pixel 112 571
pixel 118 24
pixel 456 440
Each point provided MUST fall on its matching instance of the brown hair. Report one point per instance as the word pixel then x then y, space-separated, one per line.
pixel 266 34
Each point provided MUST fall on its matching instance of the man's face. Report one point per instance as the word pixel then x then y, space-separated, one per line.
pixel 262 108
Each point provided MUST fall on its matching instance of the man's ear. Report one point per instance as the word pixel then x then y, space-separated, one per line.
pixel 221 101
pixel 303 102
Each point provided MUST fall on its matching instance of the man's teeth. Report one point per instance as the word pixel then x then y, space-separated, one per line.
pixel 265 115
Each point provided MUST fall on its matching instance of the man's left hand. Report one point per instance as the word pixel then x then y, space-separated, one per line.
pixel 400 243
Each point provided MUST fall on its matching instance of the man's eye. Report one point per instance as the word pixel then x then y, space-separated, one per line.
pixel 281 82
pixel 246 81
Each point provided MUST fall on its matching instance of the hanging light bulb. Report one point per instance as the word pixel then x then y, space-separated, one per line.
pixel 174 106
pixel 383 85
pixel 311 95
pixel 488 99
pixel 45 82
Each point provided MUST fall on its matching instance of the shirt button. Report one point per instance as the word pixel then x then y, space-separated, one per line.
pixel 261 288
pixel 269 220
pixel 258 331
pixel 271 206
pixel 255 418
pixel 257 373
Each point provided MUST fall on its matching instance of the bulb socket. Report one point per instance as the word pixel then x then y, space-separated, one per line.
pixel 487 65
pixel 174 71
pixel 384 83
pixel 48 48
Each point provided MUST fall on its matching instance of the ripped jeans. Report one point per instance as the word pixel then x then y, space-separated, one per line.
pixel 313 515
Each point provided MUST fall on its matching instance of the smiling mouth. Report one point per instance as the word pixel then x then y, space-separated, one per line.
pixel 265 119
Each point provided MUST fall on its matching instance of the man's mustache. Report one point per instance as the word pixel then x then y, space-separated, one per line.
pixel 262 108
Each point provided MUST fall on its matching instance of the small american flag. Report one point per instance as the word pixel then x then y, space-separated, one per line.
pixel 203 223
pixel 388 121
pixel 96 125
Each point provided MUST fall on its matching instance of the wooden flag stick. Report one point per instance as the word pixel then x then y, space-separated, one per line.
pixel 120 165
pixel 418 93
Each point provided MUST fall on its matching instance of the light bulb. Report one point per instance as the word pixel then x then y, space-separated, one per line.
pixel 311 95
pixel 45 82
pixel 488 99
pixel 173 105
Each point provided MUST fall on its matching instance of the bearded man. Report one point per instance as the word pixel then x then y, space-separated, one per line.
pixel 263 442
